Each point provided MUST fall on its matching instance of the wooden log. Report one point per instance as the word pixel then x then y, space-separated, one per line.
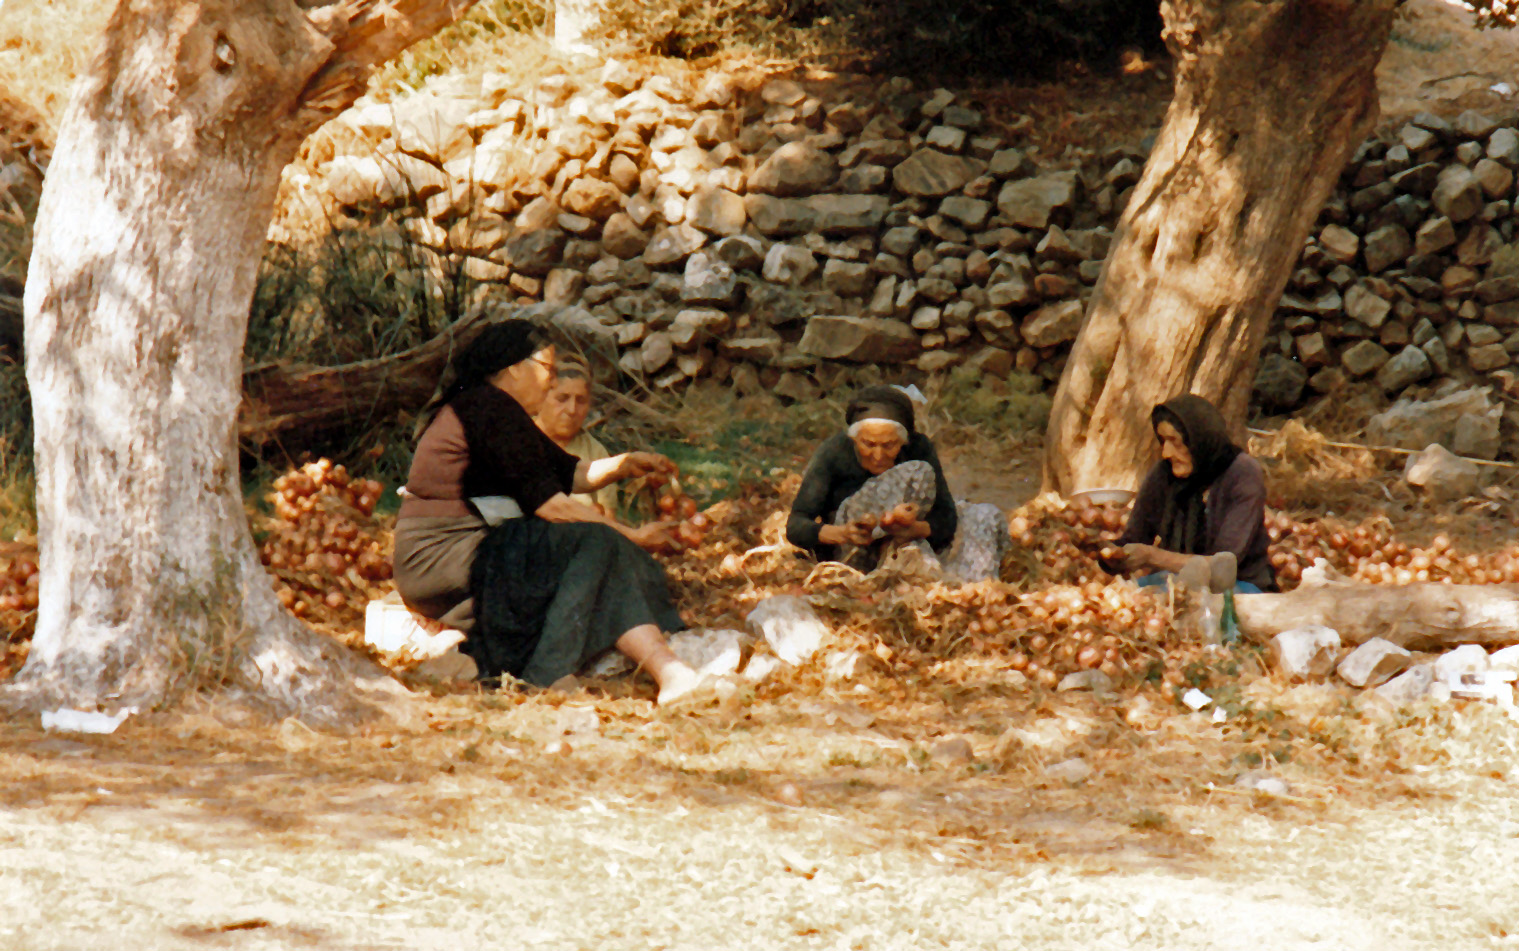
pixel 278 397
pixel 1427 616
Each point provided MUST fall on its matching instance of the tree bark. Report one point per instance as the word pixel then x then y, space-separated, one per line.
pixel 574 20
pixel 1271 99
pixel 1416 616
pixel 145 252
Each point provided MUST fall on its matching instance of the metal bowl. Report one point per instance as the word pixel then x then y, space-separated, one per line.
pixel 1103 497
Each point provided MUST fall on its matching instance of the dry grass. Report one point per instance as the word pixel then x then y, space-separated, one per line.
pixel 44 44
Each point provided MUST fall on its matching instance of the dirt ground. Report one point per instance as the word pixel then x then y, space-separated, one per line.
pixel 574 821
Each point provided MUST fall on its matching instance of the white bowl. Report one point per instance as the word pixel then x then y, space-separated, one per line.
pixel 1102 497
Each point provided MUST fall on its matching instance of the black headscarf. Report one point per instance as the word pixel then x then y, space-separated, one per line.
pixel 1183 521
pixel 881 402
pixel 494 349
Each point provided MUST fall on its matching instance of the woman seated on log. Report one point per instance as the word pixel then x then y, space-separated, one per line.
pixel 1205 496
pixel 543 589
pixel 562 419
pixel 879 485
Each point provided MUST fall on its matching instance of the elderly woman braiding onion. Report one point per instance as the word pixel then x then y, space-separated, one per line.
pixel 879 484
pixel 547 583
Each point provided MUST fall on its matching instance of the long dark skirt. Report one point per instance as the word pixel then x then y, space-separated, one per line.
pixel 549 596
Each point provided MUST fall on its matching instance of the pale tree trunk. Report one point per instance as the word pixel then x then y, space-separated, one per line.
pixel 147 242
pixel 1426 616
pixel 1271 99
pixel 574 21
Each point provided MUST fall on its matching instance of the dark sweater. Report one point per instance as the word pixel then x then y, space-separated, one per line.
pixel 1236 518
pixel 481 444
pixel 835 473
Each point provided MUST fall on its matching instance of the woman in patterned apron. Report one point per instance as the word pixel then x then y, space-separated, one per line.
pixel 878 485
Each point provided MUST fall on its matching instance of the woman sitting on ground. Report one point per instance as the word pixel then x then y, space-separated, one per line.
pixel 879 485
pixel 562 419
pixel 543 589
pixel 1205 496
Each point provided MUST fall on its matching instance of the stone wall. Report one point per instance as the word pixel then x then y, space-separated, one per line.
pixel 762 228
pixel 750 226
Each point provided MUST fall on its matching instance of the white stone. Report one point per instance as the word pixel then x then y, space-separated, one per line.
pixel 1442 474
pixel 1305 653
pixel 710 653
pixel 1466 660
pixel 789 625
pixel 1408 687
pixel 1373 663
pixel 392 629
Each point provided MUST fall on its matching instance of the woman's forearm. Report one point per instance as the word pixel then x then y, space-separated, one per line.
pixel 561 508
pixel 592 476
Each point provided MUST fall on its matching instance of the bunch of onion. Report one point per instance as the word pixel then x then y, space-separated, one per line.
pixel 323 545
pixel 1064 539
pixel 1368 552
pixel 1112 627
pixel 18 587
pixel 671 504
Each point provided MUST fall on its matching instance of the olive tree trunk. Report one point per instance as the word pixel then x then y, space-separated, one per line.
pixel 152 220
pixel 1272 98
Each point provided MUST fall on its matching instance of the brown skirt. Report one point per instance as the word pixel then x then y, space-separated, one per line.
pixel 432 563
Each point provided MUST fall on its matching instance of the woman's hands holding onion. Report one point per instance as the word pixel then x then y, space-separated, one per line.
pixel 637 464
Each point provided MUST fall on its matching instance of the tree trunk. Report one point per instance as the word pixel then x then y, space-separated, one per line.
pixel 147 242
pixel 1272 97
pixel 574 20
pixel 1415 616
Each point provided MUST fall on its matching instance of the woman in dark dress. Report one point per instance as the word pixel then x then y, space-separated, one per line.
pixel 1205 496
pixel 549 583
pixel 879 484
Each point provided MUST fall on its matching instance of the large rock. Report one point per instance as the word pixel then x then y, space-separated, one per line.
pixel 1364 306
pixel 622 238
pixel 1279 382
pixel 709 280
pixel 691 328
pixel 847 278
pixel 796 168
pixel 1340 244
pixel 741 251
pixel 788 264
pixel 822 214
pixel 1414 424
pixel 1034 202
pixel 1458 196
pixel 1364 357
pixel 1434 236
pixel 716 211
pixel 1441 474
pixel 861 339
pixel 970 212
pixel 1373 663
pixel 592 198
pixel 1305 653
pixel 1386 246
pixel 673 244
pixel 930 173
pixel 1409 366
pixel 1053 324
pixel 537 252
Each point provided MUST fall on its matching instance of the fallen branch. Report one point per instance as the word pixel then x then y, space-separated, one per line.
pixel 1426 616
pixel 1393 449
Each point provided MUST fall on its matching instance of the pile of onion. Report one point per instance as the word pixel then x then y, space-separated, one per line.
pixel 323 545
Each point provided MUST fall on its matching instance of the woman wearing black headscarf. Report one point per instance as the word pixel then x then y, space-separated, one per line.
pixel 879 484
pixel 548 583
pixel 1205 495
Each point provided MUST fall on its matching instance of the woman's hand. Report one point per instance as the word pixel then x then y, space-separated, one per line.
pixel 1137 557
pixel 903 523
pixel 859 532
pixel 654 536
pixel 636 464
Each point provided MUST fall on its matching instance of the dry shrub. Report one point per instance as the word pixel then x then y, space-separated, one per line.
pixel 1304 472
